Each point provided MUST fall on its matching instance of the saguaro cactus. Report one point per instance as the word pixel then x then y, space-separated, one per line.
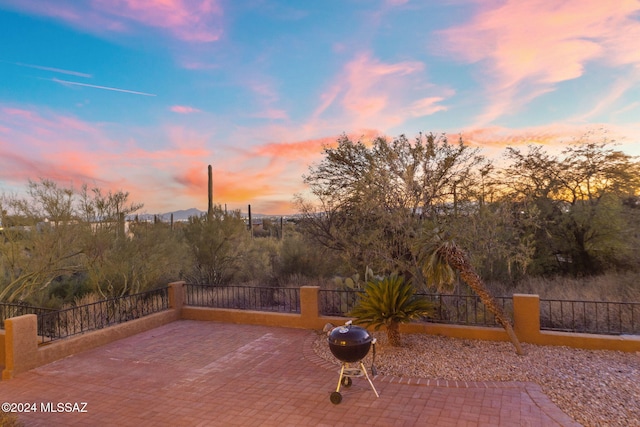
pixel 210 208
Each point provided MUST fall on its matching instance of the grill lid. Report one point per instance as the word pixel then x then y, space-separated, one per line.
pixel 349 335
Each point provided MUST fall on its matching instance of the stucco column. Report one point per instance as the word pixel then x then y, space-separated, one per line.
pixel 526 317
pixel 21 344
pixel 176 295
pixel 309 307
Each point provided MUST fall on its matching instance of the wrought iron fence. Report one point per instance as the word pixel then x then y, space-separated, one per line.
pixel 77 320
pixel 8 310
pixel 282 300
pixel 452 309
pixel 465 309
pixel 334 302
pixel 595 317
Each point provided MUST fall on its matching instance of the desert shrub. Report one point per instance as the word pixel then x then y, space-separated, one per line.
pixel 217 246
pixel 259 260
pixel 302 257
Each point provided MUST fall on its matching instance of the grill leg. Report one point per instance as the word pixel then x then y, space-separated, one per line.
pixel 341 375
pixel 368 379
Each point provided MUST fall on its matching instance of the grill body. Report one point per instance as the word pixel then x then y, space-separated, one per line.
pixel 349 343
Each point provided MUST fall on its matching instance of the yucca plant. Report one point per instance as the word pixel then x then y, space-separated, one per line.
pixel 389 302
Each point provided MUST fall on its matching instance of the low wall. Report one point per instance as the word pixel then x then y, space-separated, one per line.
pixel 23 352
pixel 526 313
pixel 526 310
pixel 20 349
pixel 309 317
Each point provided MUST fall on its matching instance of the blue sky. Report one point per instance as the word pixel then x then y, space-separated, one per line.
pixel 142 95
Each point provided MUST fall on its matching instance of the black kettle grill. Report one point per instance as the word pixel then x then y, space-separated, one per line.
pixel 350 344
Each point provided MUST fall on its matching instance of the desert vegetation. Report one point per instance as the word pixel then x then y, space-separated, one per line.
pixel 564 225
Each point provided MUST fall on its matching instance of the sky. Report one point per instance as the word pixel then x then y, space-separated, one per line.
pixel 143 95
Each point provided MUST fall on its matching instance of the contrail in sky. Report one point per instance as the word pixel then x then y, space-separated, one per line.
pixel 55 70
pixel 101 87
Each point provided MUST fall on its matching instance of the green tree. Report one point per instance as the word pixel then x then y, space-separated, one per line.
pixel 59 236
pixel 40 242
pixel 584 225
pixel 370 201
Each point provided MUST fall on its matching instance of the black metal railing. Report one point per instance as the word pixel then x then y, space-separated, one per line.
pixel 77 320
pixel 595 317
pixel 466 309
pixel 8 310
pixel 452 309
pixel 335 302
pixel 275 299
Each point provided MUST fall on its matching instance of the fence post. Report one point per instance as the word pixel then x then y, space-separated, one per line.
pixel 526 317
pixel 309 307
pixel 21 345
pixel 176 297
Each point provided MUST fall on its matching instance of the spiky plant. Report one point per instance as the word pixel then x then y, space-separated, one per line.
pixel 389 302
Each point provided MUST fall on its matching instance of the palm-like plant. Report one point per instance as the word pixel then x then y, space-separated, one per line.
pixel 441 258
pixel 389 302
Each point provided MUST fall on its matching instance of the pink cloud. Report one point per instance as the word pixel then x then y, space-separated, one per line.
pixel 307 149
pixel 370 93
pixel 535 45
pixel 191 21
pixel 184 109
pixel 368 82
pixel 187 20
pixel 554 136
pixel 37 144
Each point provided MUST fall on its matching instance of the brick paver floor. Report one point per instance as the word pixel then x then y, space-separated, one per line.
pixel 191 373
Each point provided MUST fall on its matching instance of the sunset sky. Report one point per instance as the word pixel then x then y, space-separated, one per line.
pixel 141 95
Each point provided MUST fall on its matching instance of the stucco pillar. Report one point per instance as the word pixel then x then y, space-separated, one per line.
pixel 526 317
pixel 21 344
pixel 176 297
pixel 309 307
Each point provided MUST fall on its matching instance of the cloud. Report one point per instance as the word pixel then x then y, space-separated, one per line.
pixel 307 149
pixel 195 21
pixel 39 143
pixel 367 91
pixel 370 93
pixel 266 97
pixel 186 20
pixel 52 69
pixel 271 114
pixel 554 136
pixel 114 89
pixel 184 109
pixel 525 48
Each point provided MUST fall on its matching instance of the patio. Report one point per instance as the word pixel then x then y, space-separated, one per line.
pixel 195 373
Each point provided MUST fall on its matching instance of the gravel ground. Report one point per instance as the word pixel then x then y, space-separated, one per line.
pixel 594 387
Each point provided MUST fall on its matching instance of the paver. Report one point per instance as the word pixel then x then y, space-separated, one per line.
pixel 220 374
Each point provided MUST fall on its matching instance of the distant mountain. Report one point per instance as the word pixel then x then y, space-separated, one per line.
pixel 182 215
pixel 185 214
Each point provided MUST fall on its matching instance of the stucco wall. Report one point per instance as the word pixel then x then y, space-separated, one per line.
pixel 23 352
pixel 20 351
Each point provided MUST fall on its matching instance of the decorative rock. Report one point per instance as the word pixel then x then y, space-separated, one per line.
pixel 594 387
